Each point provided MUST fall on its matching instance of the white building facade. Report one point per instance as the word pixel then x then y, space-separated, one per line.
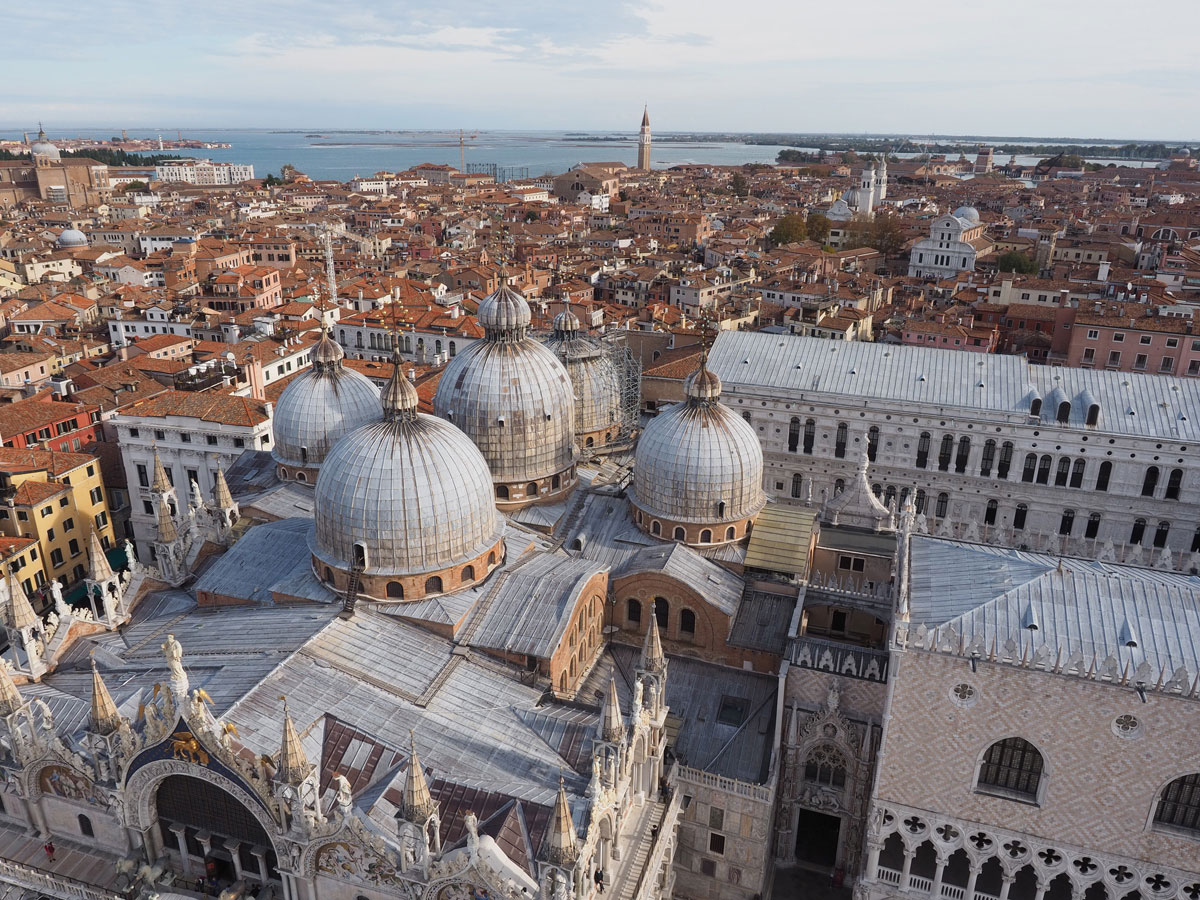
pixel 954 244
pixel 204 172
pixel 190 444
pixel 1089 463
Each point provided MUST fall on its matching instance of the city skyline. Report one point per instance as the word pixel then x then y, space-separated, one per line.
pixel 1025 69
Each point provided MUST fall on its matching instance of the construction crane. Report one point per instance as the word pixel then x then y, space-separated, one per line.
pixel 462 148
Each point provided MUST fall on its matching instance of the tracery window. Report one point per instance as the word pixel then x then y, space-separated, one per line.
pixel 826 766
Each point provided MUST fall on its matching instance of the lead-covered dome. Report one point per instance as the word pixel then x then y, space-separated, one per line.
pixel 42 148
pixel 969 213
pixel 409 501
pixel 698 469
pixel 513 398
pixel 319 407
pixel 594 379
pixel 71 238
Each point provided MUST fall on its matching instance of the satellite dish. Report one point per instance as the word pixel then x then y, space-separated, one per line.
pixel 229 356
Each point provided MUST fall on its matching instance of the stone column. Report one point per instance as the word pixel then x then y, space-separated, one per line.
pixel 969 893
pixel 873 849
pixel 234 849
pixel 1007 882
pixel 1042 887
pixel 936 890
pixel 180 837
pixel 906 870
pixel 260 856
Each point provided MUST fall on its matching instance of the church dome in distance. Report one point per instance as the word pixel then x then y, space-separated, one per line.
pixel 698 469
pixel 970 213
pixel 42 148
pixel 408 500
pixel 71 238
pixel 320 406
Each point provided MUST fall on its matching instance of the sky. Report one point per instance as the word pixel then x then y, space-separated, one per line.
pixel 1060 68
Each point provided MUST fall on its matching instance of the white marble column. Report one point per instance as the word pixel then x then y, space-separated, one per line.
pixel 906 870
pixel 181 840
pixel 936 890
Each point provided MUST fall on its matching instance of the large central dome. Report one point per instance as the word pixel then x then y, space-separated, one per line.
pixel 408 501
pixel 698 469
pixel 320 406
pixel 514 399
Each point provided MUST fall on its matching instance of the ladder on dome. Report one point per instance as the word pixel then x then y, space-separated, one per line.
pixel 350 598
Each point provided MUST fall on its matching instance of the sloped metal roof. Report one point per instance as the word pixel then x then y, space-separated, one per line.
pixel 1075 606
pixel 781 538
pixel 985 383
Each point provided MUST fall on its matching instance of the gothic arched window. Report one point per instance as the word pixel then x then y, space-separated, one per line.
pixel 1011 767
pixel 825 766
pixel 1179 805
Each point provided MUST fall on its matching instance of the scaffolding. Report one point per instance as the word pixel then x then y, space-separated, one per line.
pixel 629 377
pixel 500 173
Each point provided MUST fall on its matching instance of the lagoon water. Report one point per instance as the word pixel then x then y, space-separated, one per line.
pixel 341 155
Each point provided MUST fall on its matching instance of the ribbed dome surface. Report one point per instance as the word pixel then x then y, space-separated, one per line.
pixel 695 456
pixel 516 402
pixel 319 407
pixel 594 379
pixel 413 490
pixel 504 312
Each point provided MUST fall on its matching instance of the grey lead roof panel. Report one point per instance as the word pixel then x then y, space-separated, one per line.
pixel 1077 606
pixel 986 383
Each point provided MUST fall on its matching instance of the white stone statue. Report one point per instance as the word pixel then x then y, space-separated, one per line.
pixel 343 798
pixel 471 823
pixel 130 556
pixel 56 594
pixel 173 653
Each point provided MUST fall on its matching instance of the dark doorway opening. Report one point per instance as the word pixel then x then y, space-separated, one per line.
pixel 817 839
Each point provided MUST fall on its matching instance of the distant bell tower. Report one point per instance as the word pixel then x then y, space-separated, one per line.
pixel 643 161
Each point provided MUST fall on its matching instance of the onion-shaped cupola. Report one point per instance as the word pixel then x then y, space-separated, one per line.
pixel 698 469
pixel 320 406
pixel 513 398
pixel 407 502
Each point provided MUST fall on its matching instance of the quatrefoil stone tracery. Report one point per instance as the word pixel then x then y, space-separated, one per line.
pixel 1050 857
pixel 981 841
pixel 1085 865
pixel 947 833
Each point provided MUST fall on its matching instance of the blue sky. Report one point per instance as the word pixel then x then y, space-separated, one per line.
pixel 1084 68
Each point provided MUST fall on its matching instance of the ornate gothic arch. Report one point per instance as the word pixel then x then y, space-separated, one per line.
pixel 142 787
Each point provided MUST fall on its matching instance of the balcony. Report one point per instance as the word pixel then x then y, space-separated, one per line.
pixel 819 654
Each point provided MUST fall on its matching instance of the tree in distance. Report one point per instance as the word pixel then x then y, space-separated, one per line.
pixel 789 230
pixel 1015 261
pixel 738 185
pixel 818 227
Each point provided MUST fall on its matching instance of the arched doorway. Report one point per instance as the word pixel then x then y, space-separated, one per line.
pixel 211 832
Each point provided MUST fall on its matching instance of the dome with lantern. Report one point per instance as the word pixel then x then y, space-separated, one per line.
pixel 514 399
pixel 42 148
pixel 407 502
pixel 318 407
pixel 594 380
pixel 698 469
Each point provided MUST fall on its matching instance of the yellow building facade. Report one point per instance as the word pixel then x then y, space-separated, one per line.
pixel 55 500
